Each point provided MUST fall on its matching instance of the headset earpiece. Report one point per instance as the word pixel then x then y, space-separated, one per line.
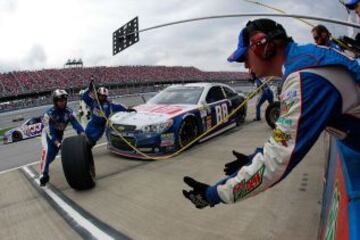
pixel 262 46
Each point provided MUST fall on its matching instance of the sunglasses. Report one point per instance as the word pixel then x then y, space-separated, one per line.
pixel 316 38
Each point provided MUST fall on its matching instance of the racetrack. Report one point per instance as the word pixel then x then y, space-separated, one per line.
pixel 143 199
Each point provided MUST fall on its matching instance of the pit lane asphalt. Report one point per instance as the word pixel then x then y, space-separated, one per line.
pixel 143 199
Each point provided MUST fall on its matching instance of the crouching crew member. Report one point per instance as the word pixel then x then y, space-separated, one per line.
pixel 99 113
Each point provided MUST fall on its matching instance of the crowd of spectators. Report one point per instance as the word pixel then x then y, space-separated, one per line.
pixel 26 82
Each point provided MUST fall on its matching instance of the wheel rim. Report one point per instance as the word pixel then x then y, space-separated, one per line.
pixel 188 133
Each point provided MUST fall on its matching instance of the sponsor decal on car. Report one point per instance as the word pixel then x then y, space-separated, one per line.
pixel 167 140
pixel 33 130
pixel 208 122
pixel 243 188
pixel 162 109
pixel 281 137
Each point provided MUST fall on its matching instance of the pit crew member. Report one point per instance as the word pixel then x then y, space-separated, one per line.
pixel 320 91
pixel 99 113
pixel 55 121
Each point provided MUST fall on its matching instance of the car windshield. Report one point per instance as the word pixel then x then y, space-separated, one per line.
pixel 178 95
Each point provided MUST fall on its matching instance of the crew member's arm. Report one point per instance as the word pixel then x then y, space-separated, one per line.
pixel 89 100
pixel 117 108
pixel 308 103
pixel 75 123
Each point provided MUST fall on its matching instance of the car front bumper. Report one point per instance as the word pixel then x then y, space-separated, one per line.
pixel 151 144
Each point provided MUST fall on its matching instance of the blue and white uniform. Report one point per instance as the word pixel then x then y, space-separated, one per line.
pixel 266 95
pixel 96 126
pixel 55 122
pixel 321 91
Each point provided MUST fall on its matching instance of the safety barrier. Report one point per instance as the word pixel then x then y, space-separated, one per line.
pixel 340 215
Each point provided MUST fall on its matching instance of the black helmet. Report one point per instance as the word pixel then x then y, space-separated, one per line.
pixel 59 94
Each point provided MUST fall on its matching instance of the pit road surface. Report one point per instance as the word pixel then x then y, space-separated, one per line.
pixel 143 200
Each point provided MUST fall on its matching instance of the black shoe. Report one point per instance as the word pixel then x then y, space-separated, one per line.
pixel 257 119
pixel 44 180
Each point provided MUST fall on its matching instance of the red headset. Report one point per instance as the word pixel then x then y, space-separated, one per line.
pixel 261 43
pixel 262 46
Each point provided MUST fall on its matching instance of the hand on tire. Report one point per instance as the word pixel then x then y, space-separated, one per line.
pixel 236 165
pixel 198 193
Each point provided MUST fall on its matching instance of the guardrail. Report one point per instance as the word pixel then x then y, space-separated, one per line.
pixel 340 215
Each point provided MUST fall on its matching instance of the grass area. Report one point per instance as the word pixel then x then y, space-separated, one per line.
pixel 3 130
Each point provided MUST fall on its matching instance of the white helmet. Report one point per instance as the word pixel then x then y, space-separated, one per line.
pixel 103 91
pixel 59 94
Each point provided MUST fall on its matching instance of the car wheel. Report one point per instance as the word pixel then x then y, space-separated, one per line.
pixel 272 114
pixel 17 136
pixel 78 163
pixel 188 131
pixel 241 116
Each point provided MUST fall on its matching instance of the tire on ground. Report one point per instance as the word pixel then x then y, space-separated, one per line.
pixel 16 136
pixel 78 163
pixel 272 114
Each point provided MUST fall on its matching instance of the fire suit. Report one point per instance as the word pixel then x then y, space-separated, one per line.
pixel 266 95
pixel 55 122
pixel 96 126
pixel 320 92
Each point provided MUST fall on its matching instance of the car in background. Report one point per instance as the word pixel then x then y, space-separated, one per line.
pixel 175 117
pixel 29 129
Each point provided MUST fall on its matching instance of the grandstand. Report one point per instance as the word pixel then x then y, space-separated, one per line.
pixel 25 85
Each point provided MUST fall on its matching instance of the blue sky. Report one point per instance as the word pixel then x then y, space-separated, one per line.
pixel 40 34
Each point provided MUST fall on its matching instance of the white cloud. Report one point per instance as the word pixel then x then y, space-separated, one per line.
pixel 42 34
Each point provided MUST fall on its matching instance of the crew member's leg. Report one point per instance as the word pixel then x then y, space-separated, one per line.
pixel 94 133
pixel 48 155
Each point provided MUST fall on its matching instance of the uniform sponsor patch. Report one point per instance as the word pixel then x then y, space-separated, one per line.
pixel 289 94
pixel 285 121
pixel 243 188
pixel 281 137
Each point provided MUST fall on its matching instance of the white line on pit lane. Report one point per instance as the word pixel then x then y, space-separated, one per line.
pixel 77 217
pixel 36 162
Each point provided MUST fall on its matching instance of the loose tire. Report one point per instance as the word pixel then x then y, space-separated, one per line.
pixel 272 114
pixel 78 163
pixel 16 136
pixel 188 131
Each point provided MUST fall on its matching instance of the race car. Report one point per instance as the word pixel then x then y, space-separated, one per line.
pixel 29 129
pixel 175 117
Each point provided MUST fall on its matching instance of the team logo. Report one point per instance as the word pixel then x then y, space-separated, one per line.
pixel 243 188
pixel 284 121
pixel 281 137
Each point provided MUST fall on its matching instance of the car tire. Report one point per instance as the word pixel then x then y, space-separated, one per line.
pixel 272 114
pixel 188 131
pixel 241 116
pixel 78 163
pixel 17 136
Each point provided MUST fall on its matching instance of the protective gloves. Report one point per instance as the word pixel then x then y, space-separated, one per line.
pixel 234 166
pixel 198 194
